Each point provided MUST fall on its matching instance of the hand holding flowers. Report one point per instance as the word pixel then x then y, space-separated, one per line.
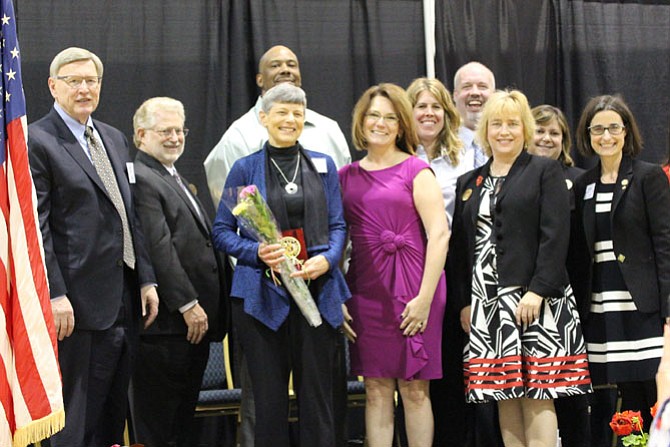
pixel 254 215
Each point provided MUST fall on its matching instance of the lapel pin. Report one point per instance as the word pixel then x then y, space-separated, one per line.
pixel 466 194
pixel 621 258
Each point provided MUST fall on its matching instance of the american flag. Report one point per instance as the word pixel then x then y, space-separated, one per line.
pixel 31 400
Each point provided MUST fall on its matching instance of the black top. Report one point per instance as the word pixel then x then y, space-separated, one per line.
pixel 287 160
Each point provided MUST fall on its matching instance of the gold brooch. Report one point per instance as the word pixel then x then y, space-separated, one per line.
pixel 291 245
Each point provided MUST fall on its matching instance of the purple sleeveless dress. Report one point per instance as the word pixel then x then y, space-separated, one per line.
pixel 387 260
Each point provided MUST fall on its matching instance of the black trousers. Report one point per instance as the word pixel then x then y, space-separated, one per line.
pixel 447 394
pixel 574 420
pixel 475 424
pixel 245 429
pixel 165 387
pixel 311 353
pixel 96 368
pixel 638 396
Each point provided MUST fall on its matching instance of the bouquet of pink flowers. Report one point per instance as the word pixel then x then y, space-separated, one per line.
pixel 254 215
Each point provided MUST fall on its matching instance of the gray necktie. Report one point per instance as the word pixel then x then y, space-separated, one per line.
pixel 480 156
pixel 104 168
pixel 177 177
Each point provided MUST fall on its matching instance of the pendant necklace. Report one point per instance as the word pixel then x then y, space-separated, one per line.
pixel 291 187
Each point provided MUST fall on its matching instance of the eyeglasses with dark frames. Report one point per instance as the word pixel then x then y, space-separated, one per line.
pixel 613 129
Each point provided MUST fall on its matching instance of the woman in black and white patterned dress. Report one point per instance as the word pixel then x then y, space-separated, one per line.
pixel 622 239
pixel 510 237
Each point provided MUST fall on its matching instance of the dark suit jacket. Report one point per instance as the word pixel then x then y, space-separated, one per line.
pixel 571 173
pixel 531 228
pixel 640 220
pixel 178 240
pixel 81 229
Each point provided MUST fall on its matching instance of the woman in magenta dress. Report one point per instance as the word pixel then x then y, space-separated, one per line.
pixel 399 233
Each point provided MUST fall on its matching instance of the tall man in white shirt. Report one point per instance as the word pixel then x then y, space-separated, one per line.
pixel 247 135
pixel 473 83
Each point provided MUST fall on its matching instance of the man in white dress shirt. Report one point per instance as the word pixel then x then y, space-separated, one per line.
pixel 247 135
pixel 473 83
pixel 478 423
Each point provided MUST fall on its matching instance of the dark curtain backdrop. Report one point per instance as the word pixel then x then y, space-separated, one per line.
pixel 564 52
pixel 205 53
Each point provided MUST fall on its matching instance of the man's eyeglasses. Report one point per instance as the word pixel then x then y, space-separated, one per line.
pixel 613 129
pixel 167 133
pixel 76 81
pixel 376 116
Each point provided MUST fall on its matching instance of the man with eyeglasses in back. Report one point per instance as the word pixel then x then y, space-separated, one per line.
pixel 100 277
pixel 191 277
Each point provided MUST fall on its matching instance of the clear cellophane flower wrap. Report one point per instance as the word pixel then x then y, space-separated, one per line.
pixel 254 215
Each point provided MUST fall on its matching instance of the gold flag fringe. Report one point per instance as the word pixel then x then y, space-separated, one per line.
pixel 40 429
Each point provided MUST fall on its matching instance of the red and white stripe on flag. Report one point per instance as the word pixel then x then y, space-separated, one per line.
pixel 31 400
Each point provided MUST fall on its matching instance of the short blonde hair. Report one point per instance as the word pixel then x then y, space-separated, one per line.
pixel 407 137
pixel 145 116
pixel 505 103
pixel 74 54
pixel 448 136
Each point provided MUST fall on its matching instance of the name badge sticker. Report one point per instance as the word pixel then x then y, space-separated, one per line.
pixel 320 165
pixel 130 167
pixel 590 189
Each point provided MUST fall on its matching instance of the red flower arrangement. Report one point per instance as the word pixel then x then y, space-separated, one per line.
pixel 629 425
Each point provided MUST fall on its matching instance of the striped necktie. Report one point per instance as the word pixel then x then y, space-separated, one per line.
pixel 104 168
pixel 480 156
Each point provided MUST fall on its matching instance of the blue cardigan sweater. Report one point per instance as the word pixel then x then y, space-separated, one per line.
pixel 264 300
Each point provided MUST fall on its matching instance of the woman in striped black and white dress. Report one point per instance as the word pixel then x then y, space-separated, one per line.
pixel 621 237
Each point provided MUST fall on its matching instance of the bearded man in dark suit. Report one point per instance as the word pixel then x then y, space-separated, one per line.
pixel 100 276
pixel 191 276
